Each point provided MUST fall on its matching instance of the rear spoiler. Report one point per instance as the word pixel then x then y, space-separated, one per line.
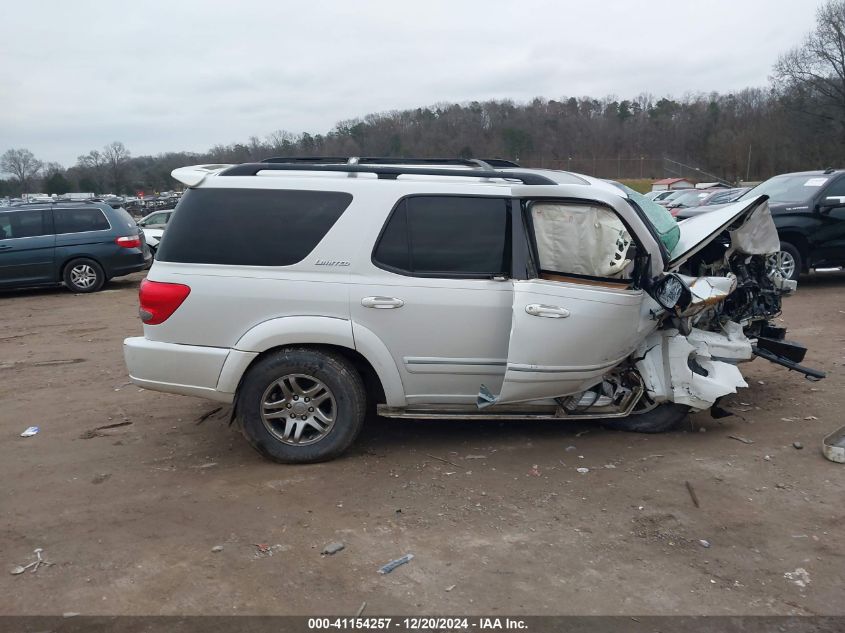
pixel 195 174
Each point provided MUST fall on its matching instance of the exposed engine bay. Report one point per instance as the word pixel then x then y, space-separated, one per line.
pixel 719 311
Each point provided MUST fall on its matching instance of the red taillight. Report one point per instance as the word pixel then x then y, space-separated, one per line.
pixel 132 241
pixel 159 300
pixel 675 211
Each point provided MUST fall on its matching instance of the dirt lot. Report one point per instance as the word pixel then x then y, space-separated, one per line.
pixel 129 515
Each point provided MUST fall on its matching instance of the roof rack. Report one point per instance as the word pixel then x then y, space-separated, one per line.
pixel 388 173
pixel 392 160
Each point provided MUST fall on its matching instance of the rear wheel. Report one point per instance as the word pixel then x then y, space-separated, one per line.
pixel 83 275
pixel 300 405
pixel 664 417
pixel 787 261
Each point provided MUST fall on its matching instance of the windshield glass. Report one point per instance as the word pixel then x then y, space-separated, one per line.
pixel 788 188
pixel 663 222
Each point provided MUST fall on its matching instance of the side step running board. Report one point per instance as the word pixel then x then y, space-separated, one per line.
pixel 560 414
pixel 809 373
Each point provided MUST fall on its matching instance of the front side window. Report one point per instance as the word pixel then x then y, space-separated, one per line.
pixel 79 220
pixel 581 239
pixel 24 224
pixel 837 189
pixel 446 236
pixel 250 227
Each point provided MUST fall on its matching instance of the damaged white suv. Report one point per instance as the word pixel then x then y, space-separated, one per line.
pixel 305 290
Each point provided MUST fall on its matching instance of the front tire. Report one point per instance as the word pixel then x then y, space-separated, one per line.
pixel 83 275
pixel 665 417
pixel 787 261
pixel 299 405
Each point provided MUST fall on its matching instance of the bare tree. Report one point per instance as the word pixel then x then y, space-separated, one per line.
pixel 51 169
pixel 815 70
pixel 22 164
pixel 116 158
pixel 93 167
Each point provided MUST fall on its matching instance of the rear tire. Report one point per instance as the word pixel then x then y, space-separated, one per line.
pixel 665 417
pixel 83 275
pixel 299 405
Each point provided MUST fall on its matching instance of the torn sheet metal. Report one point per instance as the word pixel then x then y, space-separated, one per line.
pixel 758 234
pixel 675 370
pixel 786 286
pixel 731 345
pixel 707 291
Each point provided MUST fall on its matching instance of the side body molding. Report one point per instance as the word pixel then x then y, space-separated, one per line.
pixel 315 330
pixel 292 330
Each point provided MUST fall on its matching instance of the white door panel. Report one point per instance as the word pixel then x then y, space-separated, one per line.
pixel 447 336
pixel 564 337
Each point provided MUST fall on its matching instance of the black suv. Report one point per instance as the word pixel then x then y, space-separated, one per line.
pixel 82 244
pixel 809 211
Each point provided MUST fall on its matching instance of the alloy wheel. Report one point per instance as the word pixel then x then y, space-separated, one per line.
pixel 781 262
pixel 83 276
pixel 298 409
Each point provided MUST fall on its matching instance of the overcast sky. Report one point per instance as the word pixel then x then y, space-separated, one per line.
pixel 185 75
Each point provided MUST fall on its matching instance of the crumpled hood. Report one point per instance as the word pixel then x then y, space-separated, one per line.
pixel 754 233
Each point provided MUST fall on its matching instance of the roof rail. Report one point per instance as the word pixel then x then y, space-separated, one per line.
pixel 388 173
pixel 392 160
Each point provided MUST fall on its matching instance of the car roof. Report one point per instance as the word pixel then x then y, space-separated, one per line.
pixel 815 172
pixel 45 206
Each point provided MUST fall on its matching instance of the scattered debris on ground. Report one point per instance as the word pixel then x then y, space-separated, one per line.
pixel 389 567
pixel 334 548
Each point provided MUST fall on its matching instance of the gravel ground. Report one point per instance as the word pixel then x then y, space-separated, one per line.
pixel 167 515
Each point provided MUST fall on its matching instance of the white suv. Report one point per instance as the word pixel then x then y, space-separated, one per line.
pixel 304 291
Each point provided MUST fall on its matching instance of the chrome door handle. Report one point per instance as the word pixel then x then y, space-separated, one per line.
pixel 551 312
pixel 382 303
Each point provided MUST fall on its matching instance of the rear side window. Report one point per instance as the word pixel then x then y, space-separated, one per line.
pixel 446 236
pixel 24 224
pixel 250 227
pixel 79 220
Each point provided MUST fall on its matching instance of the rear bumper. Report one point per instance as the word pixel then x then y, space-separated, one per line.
pixel 205 372
pixel 127 262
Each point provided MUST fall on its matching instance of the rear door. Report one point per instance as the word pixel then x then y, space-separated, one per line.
pixel 439 295
pixel 27 248
pixel 580 315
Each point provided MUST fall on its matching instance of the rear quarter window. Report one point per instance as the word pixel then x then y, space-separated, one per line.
pixel 79 220
pixel 250 227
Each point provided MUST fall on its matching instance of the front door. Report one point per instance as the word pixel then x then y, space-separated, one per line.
pixel 27 248
pixel 828 238
pixel 565 336
pixel 581 314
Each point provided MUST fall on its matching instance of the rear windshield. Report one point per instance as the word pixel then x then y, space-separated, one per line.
pixel 249 227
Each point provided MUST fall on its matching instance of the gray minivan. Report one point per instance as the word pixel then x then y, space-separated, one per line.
pixel 80 244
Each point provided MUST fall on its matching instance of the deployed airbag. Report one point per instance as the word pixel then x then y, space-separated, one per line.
pixel 580 239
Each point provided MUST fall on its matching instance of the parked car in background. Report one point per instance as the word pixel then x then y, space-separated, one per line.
pixel 671 195
pixel 698 198
pixel 809 212
pixel 689 198
pixel 80 244
pixel 659 195
pixel 715 200
pixel 153 226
